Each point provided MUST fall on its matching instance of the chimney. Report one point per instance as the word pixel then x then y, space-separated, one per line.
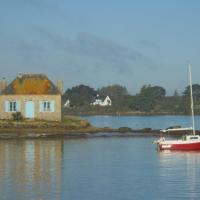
pixel 20 75
pixel 2 84
pixel 60 85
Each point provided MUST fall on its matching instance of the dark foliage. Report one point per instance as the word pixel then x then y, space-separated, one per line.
pixel 80 95
pixel 17 116
pixel 115 92
pixel 196 91
pixel 151 99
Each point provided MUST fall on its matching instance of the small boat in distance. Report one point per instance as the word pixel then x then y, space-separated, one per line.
pixel 189 142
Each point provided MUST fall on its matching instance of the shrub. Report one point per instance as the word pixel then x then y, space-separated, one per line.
pixel 124 129
pixel 17 116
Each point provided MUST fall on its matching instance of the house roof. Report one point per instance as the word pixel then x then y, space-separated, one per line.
pixel 101 97
pixel 27 84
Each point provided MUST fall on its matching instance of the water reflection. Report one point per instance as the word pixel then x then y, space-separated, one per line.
pixel 98 168
pixel 30 169
pixel 184 166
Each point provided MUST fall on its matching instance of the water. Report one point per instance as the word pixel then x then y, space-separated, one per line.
pixel 116 168
pixel 139 122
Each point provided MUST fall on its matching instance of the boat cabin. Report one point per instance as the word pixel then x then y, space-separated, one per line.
pixel 191 137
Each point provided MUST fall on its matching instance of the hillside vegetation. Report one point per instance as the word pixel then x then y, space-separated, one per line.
pixel 149 100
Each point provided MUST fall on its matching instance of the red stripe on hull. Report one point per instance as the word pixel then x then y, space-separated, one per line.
pixel 183 147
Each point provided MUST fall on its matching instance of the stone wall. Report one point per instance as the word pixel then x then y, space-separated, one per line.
pixel 49 116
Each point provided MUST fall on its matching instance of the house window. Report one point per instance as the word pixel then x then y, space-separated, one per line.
pixel 13 107
pixel 46 106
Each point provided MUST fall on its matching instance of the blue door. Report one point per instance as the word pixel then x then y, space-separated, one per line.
pixel 30 109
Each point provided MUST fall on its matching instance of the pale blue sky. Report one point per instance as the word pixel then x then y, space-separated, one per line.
pixel 99 43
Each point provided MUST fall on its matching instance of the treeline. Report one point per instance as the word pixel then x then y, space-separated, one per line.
pixel 149 100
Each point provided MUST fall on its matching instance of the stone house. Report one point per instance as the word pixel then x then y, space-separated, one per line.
pixel 34 95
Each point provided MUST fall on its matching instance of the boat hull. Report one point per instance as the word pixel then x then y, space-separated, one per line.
pixel 195 146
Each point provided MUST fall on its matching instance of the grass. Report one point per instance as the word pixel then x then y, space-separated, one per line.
pixel 68 122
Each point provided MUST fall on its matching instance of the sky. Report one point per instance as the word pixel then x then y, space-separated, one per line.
pixel 101 43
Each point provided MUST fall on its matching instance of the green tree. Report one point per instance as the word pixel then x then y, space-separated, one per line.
pixel 154 92
pixel 195 89
pixel 176 94
pixel 142 104
pixel 80 95
pixel 113 91
pixel 148 98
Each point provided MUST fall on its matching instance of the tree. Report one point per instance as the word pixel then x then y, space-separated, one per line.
pixel 195 89
pixel 113 91
pixel 143 104
pixel 152 92
pixel 176 94
pixel 148 98
pixel 80 95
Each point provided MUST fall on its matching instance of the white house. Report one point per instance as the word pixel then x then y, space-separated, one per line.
pixel 67 104
pixel 106 102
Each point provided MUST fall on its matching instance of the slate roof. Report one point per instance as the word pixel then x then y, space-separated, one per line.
pixel 31 84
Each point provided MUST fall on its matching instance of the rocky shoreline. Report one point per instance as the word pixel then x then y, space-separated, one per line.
pixel 59 133
pixel 33 133
pixel 70 127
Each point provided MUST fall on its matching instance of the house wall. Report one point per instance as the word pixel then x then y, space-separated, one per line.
pixel 50 116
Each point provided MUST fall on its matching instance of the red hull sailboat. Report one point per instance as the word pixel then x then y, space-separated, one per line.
pixel 187 142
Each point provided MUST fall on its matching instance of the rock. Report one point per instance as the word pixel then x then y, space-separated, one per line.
pixel 147 130
pixel 124 129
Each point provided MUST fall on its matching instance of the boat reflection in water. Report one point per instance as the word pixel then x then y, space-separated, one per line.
pixel 31 169
pixel 184 166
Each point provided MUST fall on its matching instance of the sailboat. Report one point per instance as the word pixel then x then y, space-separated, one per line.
pixel 188 142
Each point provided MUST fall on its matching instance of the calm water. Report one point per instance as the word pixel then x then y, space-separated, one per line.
pixel 96 169
pixel 138 122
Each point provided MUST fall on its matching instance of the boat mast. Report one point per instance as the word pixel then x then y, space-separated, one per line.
pixel 191 97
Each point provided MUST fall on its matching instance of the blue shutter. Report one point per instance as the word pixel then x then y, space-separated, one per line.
pixel 41 106
pixel 6 106
pixel 52 106
pixel 18 106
